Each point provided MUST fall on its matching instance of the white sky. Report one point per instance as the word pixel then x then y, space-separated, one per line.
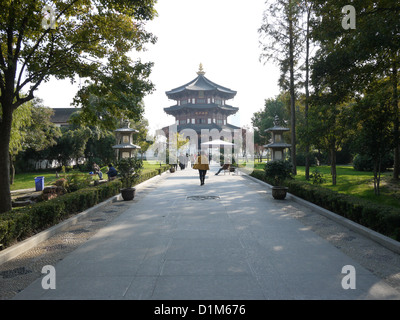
pixel 220 34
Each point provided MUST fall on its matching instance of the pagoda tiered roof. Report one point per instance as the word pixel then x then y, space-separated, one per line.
pixel 173 109
pixel 198 127
pixel 201 83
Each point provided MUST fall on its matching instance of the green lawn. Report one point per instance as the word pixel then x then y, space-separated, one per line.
pixel 27 180
pixel 356 183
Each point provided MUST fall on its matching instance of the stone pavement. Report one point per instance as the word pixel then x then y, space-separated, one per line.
pixel 225 240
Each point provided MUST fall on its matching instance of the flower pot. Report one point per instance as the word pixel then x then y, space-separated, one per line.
pixel 279 193
pixel 128 193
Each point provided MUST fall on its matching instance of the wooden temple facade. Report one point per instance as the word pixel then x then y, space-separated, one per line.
pixel 202 104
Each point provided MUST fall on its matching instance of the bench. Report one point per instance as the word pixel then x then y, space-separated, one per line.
pixel 226 167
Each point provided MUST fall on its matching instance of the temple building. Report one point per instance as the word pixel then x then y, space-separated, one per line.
pixel 202 104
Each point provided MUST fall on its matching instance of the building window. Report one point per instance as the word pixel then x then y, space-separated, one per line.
pixel 217 101
pixel 201 94
pixel 193 101
pixel 188 121
pixel 202 121
pixel 209 120
pixel 224 122
pixel 179 103
pixel 184 102
pixel 193 121
pixel 208 100
pixel 201 100
pixel 219 121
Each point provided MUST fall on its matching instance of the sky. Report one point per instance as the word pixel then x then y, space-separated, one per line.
pixel 220 34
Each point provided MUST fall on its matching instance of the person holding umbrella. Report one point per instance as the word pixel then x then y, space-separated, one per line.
pixel 201 164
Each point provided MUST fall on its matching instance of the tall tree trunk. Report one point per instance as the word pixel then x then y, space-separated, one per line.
pixel 5 132
pixel 292 91
pixel 307 172
pixel 396 171
pixel 333 165
pixel 12 170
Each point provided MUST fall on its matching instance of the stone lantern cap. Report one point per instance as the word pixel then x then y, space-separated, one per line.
pixel 277 127
pixel 127 130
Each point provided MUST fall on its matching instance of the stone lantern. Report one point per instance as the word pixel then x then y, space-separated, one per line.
pixel 277 146
pixel 125 148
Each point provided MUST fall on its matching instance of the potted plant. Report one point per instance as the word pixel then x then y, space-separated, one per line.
pixel 276 172
pixel 129 170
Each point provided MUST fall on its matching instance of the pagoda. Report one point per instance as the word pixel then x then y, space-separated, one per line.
pixel 201 104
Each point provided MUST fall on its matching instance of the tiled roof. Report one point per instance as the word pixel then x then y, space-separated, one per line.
pixel 201 83
pixel 62 115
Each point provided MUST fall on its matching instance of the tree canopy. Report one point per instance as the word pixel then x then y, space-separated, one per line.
pixel 91 39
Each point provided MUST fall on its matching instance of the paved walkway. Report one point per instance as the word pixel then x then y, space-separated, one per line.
pixel 236 242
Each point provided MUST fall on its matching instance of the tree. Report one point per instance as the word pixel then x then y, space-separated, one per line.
pixel 34 134
pixel 40 39
pixel 374 137
pixel 329 128
pixel 22 118
pixel 308 11
pixel 99 147
pixel 115 92
pixel 282 44
pixel 140 137
pixel 41 133
pixel 349 61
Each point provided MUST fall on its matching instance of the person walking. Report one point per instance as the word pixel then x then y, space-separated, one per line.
pixel 201 164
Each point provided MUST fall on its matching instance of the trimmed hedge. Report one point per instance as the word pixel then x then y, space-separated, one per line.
pixel 380 218
pixel 21 223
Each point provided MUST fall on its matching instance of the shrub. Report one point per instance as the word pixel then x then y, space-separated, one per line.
pixel 23 222
pixel 317 177
pixel 130 169
pixel 380 218
pixel 301 159
pixel 365 162
pixel 278 171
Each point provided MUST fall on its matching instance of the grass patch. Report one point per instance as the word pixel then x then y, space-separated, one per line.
pixel 355 183
pixel 27 180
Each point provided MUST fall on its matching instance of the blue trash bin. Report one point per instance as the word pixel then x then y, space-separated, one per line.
pixel 39 183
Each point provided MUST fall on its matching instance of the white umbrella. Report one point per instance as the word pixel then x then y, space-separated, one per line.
pixel 218 142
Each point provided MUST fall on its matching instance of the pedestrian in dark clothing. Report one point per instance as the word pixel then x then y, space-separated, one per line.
pixel 112 172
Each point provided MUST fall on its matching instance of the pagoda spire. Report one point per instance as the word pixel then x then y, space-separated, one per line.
pixel 201 71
